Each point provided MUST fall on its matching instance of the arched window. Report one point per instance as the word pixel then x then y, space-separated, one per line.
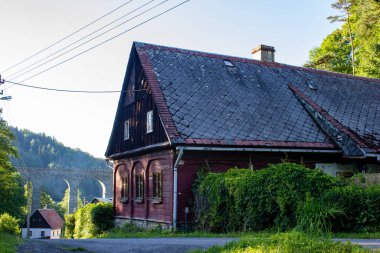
pixel 125 188
pixel 122 183
pixel 139 183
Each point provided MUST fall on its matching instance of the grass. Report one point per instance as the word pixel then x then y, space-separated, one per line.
pixel 8 243
pixel 285 243
pixel 158 233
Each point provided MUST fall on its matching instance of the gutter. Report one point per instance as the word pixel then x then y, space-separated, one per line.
pixel 303 150
pixel 175 186
pixel 140 150
pixel 377 156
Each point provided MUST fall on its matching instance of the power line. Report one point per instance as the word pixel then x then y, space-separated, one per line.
pixel 62 90
pixel 75 42
pixel 68 36
pixel 99 44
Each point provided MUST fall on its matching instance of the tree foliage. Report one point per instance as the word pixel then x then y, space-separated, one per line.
pixel 38 150
pixel 12 198
pixel 47 202
pixel 355 46
pixel 9 224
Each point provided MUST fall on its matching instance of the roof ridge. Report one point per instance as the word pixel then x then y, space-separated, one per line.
pixel 253 61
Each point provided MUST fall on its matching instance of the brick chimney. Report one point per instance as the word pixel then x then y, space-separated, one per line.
pixel 263 53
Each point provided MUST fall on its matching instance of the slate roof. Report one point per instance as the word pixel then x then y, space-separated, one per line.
pixel 203 101
pixel 52 218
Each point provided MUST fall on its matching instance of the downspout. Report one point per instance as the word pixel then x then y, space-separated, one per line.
pixel 175 187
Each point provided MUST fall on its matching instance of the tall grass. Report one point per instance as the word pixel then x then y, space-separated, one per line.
pixel 289 242
pixel 8 243
pixel 315 217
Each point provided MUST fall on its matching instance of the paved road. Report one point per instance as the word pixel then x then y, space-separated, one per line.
pixel 368 243
pixel 156 245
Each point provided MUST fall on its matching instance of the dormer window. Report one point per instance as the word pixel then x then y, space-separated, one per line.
pixel 149 122
pixel 126 130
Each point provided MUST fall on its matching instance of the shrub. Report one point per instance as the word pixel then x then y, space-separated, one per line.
pixel 92 220
pixel 69 225
pixel 102 217
pixel 245 200
pixel 361 206
pixel 9 224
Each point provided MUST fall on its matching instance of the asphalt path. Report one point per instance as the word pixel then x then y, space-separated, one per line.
pixel 367 243
pixel 135 245
pixel 143 245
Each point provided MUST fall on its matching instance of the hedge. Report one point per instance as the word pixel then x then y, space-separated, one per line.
pixel 361 206
pixel 282 197
pixel 246 200
pixel 89 221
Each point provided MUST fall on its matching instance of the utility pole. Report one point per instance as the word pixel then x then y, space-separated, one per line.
pixel 29 208
pixel 2 81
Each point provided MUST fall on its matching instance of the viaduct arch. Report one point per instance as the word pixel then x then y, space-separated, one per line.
pixel 72 177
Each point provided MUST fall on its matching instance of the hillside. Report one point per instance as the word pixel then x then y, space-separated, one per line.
pixel 38 150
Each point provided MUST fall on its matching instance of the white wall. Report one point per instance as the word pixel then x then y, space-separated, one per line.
pixel 335 168
pixel 36 233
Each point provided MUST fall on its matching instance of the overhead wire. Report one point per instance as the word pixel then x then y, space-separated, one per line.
pixel 62 90
pixel 103 42
pixel 68 36
pixel 75 42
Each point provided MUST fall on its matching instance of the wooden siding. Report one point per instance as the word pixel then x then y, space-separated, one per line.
pixel 135 102
pixel 37 221
pixel 147 209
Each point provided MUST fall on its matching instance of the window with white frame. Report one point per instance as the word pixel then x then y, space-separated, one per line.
pixel 126 130
pixel 125 187
pixel 149 122
pixel 139 184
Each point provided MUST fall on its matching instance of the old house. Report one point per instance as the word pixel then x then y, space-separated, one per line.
pixel 44 224
pixel 181 110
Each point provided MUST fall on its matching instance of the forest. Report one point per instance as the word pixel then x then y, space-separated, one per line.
pixel 37 150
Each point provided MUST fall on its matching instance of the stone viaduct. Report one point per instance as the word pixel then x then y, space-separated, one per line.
pixel 72 177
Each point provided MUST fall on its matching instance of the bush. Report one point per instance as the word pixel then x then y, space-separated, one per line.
pixel 69 225
pixel 245 200
pixel 9 224
pixel 92 220
pixel 102 217
pixel 361 206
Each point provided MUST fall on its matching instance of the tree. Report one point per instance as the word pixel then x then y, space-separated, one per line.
pixel 333 54
pixel 12 199
pixel 47 202
pixel 345 6
pixel 64 204
pixel 354 48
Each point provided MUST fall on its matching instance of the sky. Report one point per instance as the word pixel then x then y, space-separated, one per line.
pixel 85 121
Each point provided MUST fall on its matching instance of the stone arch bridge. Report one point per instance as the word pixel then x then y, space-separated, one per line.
pixel 72 177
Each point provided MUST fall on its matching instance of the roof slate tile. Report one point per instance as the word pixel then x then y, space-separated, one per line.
pixel 252 102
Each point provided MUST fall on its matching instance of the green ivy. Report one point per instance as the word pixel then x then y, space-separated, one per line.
pixel 246 200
